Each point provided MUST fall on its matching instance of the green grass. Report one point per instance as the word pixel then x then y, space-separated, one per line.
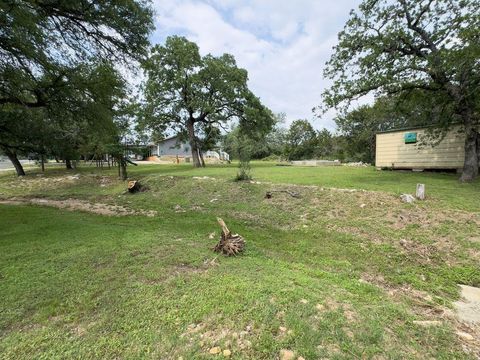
pixel 444 187
pixel 324 275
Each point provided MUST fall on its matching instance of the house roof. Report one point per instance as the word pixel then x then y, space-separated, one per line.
pixel 168 138
pixel 163 140
pixel 407 128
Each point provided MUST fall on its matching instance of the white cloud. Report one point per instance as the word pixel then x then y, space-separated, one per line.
pixel 283 44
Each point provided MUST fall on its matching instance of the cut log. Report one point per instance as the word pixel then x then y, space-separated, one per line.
pixel 420 194
pixel 229 244
pixel 135 186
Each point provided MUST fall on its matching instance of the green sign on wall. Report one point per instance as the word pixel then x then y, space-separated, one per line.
pixel 410 138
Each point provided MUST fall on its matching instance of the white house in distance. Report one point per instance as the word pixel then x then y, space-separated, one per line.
pixel 175 147
pixel 407 149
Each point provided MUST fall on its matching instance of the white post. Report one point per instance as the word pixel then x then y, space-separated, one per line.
pixel 420 194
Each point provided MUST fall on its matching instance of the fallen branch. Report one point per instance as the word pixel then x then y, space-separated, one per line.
pixel 269 195
pixel 229 244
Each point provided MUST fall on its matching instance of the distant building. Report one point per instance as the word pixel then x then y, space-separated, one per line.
pixel 174 146
pixel 171 146
pixel 409 148
pixel 219 155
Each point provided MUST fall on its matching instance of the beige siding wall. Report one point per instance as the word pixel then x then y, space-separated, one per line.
pixel 392 152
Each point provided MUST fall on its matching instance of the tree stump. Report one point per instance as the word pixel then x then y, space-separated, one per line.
pixel 420 194
pixel 135 186
pixel 229 244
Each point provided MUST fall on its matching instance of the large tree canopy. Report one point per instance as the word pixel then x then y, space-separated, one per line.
pixel 43 37
pixel 188 93
pixel 55 66
pixel 391 47
pixel 83 106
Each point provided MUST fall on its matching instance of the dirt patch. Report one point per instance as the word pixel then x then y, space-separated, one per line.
pixel 383 207
pixel 182 270
pixel 423 252
pixel 466 321
pixel 469 338
pixel 474 254
pixel 105 181
pixel 367 235
pixel 246 216
pixel 468 309
pixel 421 299
pixel 210 335
pixel 408 217
pixel 474 239
pixel 81 205
pixel 189 269
pixel 203 178
pixel 41 181
pixel 426 217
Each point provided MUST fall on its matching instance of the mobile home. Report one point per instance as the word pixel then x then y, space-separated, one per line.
pixel 414 149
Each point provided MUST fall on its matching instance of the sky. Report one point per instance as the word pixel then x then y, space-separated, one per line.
pixel 282 44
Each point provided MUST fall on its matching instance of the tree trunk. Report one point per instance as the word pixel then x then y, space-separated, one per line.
pixel 122 168
pixel 42 162
pixel 478 150
pixel 420 193
pixel 68 164
pixel 470 166
pixel 193 143
pixel 200 154
pixel 12 156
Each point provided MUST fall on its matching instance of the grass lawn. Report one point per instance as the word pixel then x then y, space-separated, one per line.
pixel 337 273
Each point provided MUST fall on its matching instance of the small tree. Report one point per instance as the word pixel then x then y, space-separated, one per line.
pixel 255 124
pixel 324 144
pixel 272 144
pixel 300 140
pixel 245 147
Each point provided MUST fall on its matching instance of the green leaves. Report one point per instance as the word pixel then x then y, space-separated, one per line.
pixel 414 47
pixel 59 86
pixel 300 140
pixel 47 32
pixel 184 89
pixel 391 47
pixel 182 85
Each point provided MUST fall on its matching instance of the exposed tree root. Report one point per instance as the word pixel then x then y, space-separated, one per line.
pixel 229 244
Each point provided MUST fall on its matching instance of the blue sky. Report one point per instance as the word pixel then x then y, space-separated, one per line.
pixel 283 44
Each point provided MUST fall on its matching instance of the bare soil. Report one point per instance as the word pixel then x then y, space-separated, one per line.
pixel 81 205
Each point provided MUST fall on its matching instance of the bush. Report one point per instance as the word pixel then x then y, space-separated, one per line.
pixel 243 171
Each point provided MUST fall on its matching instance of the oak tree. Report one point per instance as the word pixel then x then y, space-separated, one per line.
pixel 395 47
pixel 45 45
pixel 188 93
